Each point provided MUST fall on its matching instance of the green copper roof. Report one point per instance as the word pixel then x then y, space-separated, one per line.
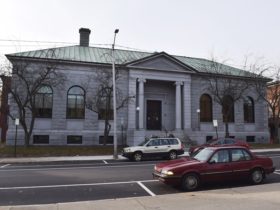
pixel 103 56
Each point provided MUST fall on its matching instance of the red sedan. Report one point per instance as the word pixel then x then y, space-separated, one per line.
pixel 220 142
pixel 214 164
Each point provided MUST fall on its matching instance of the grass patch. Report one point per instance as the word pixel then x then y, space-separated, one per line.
pixel 48 151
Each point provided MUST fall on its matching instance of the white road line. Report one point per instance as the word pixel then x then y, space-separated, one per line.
pixel 146 189
pixel 74 185
pixel 74 168
pixel 277 173
pixel 105 161
pixel 5 165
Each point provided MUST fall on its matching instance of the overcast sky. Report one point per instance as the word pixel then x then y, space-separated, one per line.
pixel 228 29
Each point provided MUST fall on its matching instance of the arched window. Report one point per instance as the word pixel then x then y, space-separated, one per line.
pixel 228 109
pixel 249 110
pixel 76 103
pixel 205 108
pixel 43 102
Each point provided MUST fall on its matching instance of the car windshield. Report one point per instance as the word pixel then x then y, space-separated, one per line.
pixel 203 155
pixel 143 142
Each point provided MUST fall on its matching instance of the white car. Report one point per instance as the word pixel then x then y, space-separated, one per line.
pixel 155 147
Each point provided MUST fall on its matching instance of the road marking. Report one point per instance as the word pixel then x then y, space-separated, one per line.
pixel 5 165
pixel 277 173
pixel 105 161
pixel 74 185
pixel 146 189
pixel 73 168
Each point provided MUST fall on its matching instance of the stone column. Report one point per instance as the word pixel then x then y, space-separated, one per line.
pixel 187 104
pixel 178 110
pixel 141 102
pixel 132 106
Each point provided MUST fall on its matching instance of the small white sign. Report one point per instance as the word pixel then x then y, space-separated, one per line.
pixel 215 123
pixel 17 121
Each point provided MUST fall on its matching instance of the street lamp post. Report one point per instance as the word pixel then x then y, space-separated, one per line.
pixel 114 97
pixel 16 124
pixel 198 119
pixel 122 130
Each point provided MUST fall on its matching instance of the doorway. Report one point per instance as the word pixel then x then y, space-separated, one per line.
pixel 153 115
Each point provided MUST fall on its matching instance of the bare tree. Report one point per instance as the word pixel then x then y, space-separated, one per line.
pixel 268 92
pixel 100 97
pixel 227 85
pixel 27 78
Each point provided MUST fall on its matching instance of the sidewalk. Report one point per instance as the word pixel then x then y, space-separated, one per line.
pixel 213 199
pixel 86 158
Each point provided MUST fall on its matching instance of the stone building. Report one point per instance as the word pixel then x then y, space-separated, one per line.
pixel 170 97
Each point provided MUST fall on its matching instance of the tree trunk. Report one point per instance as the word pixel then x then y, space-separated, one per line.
pixel 275 134
pixel 26 139
pixel 106 132
pixel 227 131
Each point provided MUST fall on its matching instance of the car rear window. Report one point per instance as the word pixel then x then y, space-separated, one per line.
pixel 239 155
pixel 173 141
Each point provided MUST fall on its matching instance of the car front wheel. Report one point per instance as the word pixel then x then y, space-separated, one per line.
pixel 137 156
pixel 257 176
pixel 172 155
pixel 190 182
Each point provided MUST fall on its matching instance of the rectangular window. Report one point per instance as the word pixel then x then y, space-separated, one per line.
pixel 208 138
pixel 250 138
pixel 110 140
pixel 74 139
pixel 43 104
pixel 41 139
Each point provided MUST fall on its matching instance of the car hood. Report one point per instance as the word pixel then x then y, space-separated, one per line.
pixel 186 161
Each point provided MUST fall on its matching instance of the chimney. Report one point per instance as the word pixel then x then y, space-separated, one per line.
pixel 84 37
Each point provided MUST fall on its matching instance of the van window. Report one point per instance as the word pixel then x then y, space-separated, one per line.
pixel 173 141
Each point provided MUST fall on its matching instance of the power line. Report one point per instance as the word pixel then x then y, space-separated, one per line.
pixel 48 43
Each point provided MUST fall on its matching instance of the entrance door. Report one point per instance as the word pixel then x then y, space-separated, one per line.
pixel 153 115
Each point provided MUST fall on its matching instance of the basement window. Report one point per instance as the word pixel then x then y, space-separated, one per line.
pixel 74 139
pixel 110 140
pixel 41 139
pixel 250 138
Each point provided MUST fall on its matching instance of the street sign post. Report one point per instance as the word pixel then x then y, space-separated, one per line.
pixel 215 124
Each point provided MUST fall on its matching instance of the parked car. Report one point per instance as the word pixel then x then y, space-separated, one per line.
pixel 214 164
pixel 219 142
pixel 155 147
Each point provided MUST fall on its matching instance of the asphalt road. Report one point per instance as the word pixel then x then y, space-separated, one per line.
pixel 81 181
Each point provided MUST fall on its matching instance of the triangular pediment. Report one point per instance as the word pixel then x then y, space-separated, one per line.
pixel 160 61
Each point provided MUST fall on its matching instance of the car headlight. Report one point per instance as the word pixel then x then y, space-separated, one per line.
pixel 127 149
pixel 167 173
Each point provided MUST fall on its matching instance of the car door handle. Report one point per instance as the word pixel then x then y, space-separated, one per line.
pixel 168 146
pixel 156 147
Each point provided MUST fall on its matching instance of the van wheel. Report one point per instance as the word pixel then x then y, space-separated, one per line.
pixel 190 182
pixel 257 176
pixel 172 155
pixel 137 156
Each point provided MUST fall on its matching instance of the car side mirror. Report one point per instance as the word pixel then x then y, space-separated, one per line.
pixel 212 161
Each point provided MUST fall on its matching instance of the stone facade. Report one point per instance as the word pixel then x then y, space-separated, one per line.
pixel 173 89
